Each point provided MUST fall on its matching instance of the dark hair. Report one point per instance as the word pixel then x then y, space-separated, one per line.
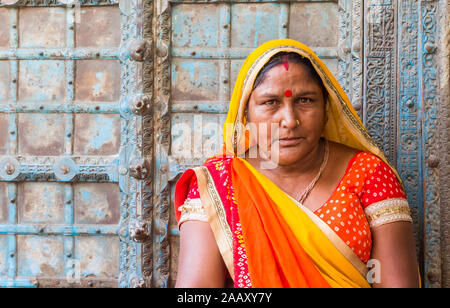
pixel 292 57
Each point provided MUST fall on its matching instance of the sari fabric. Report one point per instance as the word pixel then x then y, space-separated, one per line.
pixel 220 170
pixel 266 238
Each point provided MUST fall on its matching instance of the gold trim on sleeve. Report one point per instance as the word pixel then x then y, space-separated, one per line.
pixel 192 209
pixel 387 211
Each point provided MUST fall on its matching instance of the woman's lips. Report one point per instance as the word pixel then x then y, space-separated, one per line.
pixel 290 141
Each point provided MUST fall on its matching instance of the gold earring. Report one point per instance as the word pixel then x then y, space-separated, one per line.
pixel 298 122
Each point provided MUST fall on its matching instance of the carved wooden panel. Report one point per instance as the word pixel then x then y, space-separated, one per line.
pixel 400 106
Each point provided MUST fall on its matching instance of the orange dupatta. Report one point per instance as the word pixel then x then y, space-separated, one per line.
pixel 275 257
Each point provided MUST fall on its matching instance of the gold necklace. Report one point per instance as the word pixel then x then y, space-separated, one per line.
pixel 314 181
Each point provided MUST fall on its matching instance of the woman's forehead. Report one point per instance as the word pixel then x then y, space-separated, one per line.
pixel 295 76
pixel 289 68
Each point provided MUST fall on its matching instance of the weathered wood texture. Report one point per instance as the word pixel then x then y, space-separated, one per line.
pixel 60 139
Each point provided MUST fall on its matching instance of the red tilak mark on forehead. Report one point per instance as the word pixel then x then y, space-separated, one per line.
pixel 288 93
pixel 285 62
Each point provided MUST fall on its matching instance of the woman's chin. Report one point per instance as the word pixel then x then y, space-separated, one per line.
pixel 287 161
pixel 287 158
pixel 283 155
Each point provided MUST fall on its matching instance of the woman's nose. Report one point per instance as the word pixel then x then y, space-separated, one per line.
pixel 288 117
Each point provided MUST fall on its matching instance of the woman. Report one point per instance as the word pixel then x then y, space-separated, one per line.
pixel 301 196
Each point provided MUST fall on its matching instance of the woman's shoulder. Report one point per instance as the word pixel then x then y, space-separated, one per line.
pixel 370 162
pixel 359 166
pixel 344 153
pixel 373 179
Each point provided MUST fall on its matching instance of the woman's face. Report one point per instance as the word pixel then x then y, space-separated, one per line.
pixel 289 98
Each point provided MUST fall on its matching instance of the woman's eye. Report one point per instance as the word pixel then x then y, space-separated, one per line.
pixel 271 102
pixel 305 100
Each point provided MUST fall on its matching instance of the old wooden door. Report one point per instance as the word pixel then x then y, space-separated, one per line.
pixel 104 103
pixel 60 135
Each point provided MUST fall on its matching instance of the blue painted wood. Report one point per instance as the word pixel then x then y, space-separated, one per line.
pixel 429 100
pixel 53 69
pixel 59 53
pixel 62 107
pixel 47 3
pixel 409 116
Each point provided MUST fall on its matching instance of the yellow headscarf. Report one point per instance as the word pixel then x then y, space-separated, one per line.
pixel 343 125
